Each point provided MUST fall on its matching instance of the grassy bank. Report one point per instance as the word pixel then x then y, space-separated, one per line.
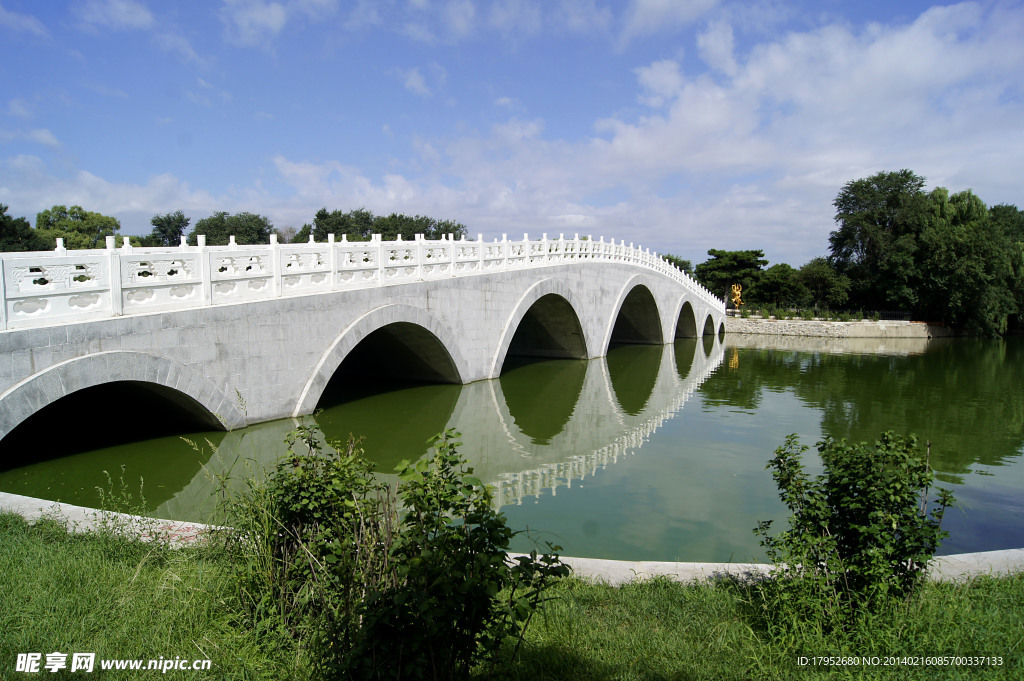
pixel 124 599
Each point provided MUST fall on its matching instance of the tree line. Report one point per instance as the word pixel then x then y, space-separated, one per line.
pixel 938 256
pixel 81 228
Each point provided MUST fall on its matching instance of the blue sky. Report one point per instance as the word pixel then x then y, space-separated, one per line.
pixel 679 125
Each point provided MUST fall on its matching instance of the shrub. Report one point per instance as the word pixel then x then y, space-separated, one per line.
pixel 379 586
pixel 858 534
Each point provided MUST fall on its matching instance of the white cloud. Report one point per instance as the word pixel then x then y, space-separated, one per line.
pixel 661 81
pixel 179 46
pixel 459 17
pixel 515 17
pixel 37 136
pixel 415 83
pixel 645 17
pixel 19 108
pixel 252 22
pixel 116 14
pixel 22 23
pixel 27 183
pixel 716 48
pixel 582 16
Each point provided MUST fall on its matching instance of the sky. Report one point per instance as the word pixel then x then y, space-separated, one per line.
pixel 678 125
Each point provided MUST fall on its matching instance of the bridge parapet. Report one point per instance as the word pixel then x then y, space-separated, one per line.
pixel 44 288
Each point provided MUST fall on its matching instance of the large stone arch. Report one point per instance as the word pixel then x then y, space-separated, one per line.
pixel 633 282
pixel 60 380
pixel 542 288
pixel 355 332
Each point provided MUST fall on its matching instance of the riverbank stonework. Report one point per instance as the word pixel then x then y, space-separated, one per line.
pixel 958 567
pixel 823 329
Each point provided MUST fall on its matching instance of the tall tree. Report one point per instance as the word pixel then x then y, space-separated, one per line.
pixel 16 234
pixel 966 265
pixel 675 260
pixel 247 228
pixel 880 219
pixel 78 227
pixel 781 285
pixel 167 229
pixel 827 287
pixel 356 225
pixel 725 268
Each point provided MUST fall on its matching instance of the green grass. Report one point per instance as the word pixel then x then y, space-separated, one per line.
pixel 122 599
pixel 125 599
pixel 667 630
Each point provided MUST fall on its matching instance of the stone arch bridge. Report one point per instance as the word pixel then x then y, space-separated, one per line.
pixel 235 335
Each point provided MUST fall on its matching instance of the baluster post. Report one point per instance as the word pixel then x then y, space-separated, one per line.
pixel 332 261
pixel 114 272
pixel 205 269
pixel 275 261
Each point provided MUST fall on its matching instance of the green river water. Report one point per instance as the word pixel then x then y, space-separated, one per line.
pixel 652 453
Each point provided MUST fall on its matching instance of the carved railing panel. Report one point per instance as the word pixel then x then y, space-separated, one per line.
pixel 53 287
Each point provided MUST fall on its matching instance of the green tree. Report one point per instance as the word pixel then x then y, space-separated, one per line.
pixel 357 224
pixel 167 229
pixel 967 268
pixel 302 236
pixel 16 234
pixel 397 224
pixel 247 228
pixel 826 287
pixel 880 219
pixel 1010 221
pixel 360 224
pixel 684 265
pixel 726 268
pixel 78 227
pixel 781 285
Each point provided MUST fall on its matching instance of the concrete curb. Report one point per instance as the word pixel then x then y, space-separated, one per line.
pixel 959 567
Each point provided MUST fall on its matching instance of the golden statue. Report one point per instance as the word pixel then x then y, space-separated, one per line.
pixel 736 290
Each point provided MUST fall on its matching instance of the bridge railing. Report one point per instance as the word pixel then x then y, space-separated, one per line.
pixel 43 288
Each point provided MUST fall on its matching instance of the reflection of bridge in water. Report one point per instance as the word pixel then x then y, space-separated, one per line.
pixel 540 427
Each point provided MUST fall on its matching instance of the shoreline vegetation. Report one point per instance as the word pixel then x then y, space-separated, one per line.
pixel 255 607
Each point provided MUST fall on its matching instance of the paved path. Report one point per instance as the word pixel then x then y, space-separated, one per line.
pixel 958 567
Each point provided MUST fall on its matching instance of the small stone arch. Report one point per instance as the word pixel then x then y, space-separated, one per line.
pixel 541 289
pixel 709 326
pixel 637 285
pixel 65 378
pixel 351 336
pixel 686 321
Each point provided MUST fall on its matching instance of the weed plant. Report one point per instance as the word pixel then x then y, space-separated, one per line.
pixel 859 534
pixel 372 584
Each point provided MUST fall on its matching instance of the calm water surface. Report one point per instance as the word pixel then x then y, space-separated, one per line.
pixel 653 453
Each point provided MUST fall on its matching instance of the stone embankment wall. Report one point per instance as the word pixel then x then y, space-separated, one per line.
pixel 818 328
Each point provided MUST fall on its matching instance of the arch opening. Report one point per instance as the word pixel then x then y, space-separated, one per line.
pixel 709 326
pixel 686 324
pixel 550 329
pixel 395 389
pixel 638 321
pixel 100 416
pixel 395 355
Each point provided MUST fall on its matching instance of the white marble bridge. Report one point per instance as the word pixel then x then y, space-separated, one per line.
pixel 236 335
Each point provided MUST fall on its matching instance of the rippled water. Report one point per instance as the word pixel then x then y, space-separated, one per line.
pixel 653 453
